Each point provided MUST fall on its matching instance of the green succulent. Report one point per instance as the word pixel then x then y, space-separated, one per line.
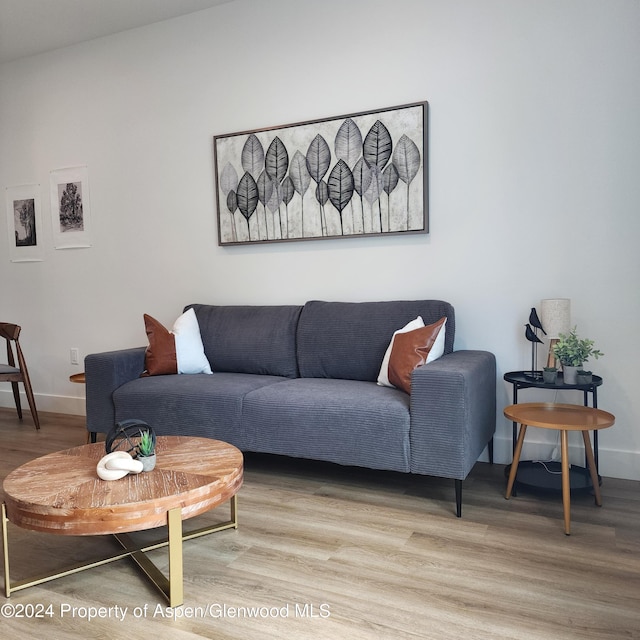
pixel 146 445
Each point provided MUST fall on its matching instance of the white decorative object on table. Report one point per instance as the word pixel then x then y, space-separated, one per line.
pixel 117 465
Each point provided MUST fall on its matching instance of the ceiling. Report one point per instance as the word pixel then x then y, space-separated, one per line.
pixel 30 27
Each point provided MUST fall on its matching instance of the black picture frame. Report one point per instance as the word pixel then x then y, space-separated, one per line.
pixel 362 174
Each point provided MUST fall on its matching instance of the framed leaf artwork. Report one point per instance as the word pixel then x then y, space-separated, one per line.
pixel 363 174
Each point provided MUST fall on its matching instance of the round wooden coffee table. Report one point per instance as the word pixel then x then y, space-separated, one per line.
pixel 61 493
pixel 565 418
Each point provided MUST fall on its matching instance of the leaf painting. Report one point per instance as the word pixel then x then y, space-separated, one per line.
pixel 322 196
pixel 247 197
pixel 300 179
pixel 232 206
pixel 299 173
pixel 228 179
pixel 377 145
pixel 277 160
pixel 390 179
pixel 406 158
pixel 273 204
pixel 318 158
pixel 318 162
pixel 372 195
pixel 340 183
pixel 287 195
pixel 348 144
pixel 252 158
pixel 361 182
pixel 354 161
pixel 265 189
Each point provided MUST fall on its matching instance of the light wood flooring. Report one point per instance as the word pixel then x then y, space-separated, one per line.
pixel 325 552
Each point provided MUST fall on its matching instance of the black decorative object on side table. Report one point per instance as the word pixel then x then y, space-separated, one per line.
pixel 532 474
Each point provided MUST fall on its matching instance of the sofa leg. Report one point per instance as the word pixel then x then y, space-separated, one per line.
pixel 491 451
pixel 458 484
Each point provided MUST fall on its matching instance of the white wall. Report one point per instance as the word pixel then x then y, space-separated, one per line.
pixel 534 189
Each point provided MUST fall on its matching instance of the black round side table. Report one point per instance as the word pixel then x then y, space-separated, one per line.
pixel 547 476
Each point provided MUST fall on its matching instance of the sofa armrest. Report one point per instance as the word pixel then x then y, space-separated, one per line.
pixel 453 413
pixel 104 373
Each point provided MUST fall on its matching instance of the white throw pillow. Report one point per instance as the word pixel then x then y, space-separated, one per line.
pixel 436 351
pixel 189 348
pixel 438 346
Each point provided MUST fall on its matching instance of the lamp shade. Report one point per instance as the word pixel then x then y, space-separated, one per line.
pixel 555 315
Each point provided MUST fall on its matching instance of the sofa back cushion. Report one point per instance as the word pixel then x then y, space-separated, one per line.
pixel 250 339
pixel 348 340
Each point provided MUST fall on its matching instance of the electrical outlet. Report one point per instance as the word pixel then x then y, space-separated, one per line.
pixel 74 355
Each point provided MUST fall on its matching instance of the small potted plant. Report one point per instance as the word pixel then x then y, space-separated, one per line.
pixel 584 377
pixel 573 352
pixel 146 450
pixel 549 375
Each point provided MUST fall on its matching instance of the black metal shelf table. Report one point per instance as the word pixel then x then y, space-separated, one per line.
pixel 546 476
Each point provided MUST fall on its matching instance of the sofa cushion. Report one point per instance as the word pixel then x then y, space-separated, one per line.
pixel 343 421
pixel 250 339
pixel 412 349
pixel 196 405
pixel 348 340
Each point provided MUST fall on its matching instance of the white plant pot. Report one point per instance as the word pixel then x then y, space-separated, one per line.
pixel 570 374
pixel 148 462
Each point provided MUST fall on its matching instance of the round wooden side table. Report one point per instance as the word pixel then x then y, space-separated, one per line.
pixel 565 418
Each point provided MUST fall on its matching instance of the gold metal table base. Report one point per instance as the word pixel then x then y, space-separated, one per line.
pixel 171 587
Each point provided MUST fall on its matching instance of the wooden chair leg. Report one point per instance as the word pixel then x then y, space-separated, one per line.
pixel 30 398
pixel 16 398
pixel 516 460
pixel 591 462
pixel 32 403
pixel 566 482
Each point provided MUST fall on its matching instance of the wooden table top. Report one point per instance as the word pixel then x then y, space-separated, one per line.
pixel 550 415
pixel 61 492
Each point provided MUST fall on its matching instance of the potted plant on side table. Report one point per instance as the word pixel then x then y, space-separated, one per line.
pixel 573 352
pixel 584 377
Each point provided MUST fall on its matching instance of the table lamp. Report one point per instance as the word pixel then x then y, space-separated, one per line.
pixel 556 319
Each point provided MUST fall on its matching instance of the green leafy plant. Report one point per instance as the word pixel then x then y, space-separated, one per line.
pixel 573 351
pixel 146 444
pixel 550 369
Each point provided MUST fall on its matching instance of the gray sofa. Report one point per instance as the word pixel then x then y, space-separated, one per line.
pixel 300 381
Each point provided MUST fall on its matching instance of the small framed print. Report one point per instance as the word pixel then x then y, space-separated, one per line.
pixel 24 223
pixel 70 208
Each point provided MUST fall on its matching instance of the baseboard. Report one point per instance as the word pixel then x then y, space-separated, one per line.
pixel 612 463
pixel 70 405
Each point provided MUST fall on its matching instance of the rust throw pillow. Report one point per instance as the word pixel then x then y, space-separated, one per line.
pixel 411 350
pixel 160 357
pixel 177 351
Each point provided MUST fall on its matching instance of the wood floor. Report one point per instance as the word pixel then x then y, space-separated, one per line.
pixel 325 552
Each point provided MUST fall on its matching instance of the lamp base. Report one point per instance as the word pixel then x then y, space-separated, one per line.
pixel 551 358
